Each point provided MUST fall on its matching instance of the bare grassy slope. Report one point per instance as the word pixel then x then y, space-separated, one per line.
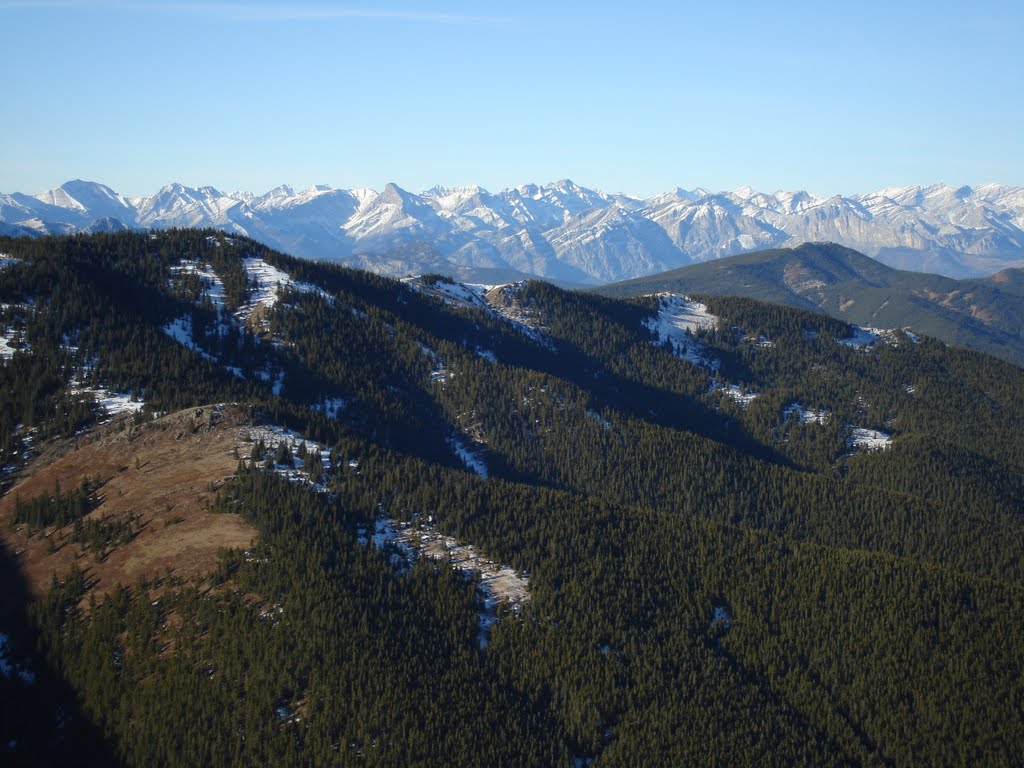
pixel 159 476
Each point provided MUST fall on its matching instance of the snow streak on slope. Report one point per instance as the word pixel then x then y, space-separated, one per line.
pixel 496 582
pixel 468 456
pixel 213 286
pixel 265 285
pixel 180 329
pixel 678 317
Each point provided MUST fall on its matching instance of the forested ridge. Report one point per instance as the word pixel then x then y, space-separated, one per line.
pixel 720 569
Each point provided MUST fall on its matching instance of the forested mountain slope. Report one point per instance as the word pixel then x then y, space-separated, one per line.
pixel 986 314
pixel 493 525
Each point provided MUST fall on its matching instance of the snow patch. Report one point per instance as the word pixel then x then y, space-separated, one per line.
pixel 469 457
pixel 438 370
pixel 275 380
pixel 12 341
pixel 213 286
pixel 388 537
pixel 503 301
pixel 868 439
pixel 498 300
pixel 678 317
pixel 452 293
pixel 109 402
pixel 331 407
pixel 735 392
pixel 265 283
pixel 806 415
pixel 180 329
pixel 272 438
pixel 866 337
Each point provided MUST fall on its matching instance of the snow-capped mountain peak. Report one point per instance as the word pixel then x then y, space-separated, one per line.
pixel 560 230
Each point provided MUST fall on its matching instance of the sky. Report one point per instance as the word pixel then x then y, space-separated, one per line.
pixel 633 97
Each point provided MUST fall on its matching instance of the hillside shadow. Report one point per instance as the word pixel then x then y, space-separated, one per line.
pixel 41 722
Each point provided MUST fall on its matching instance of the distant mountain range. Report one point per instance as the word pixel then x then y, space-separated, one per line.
pixel 560 231
pixel 985 314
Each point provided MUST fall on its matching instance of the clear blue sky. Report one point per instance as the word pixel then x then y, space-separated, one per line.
pixel 634 97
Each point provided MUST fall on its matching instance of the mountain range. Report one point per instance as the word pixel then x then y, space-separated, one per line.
pixel 986 314
pixel 559 231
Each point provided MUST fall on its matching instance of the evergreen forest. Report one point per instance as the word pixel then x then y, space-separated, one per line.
pixel 764 538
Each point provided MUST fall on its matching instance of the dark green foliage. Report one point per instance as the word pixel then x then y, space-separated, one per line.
pixel 57 509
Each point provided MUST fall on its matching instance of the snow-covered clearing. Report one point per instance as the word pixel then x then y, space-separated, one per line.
pixel 678 317
pixel 272 437
pixel 116 402
pixel 265 283
pixel 387 537
pixel 213 286
pixel 498 583
pixel 455 294
pixel 865 338
pixel 468 456
pixel 110 403
pixel 868 439
pixel 504 302
pixel 180 329
pixel 499 300
pixel 275 380
pixel 11 341
pixel 735 392
pixel 331 407
pixel 439 372
pixel 8 261
pixel 806 415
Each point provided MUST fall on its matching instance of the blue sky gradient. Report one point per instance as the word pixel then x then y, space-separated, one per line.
pixel 624 97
